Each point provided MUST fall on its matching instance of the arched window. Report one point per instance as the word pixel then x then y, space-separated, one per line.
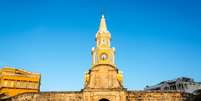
pixel 104 41
pixel 112 58
pixel 98 42
pixel 96 58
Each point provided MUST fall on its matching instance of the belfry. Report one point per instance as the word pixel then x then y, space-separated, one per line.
pixel 102 82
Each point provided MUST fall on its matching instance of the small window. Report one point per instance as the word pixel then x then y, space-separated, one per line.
pixel 104 41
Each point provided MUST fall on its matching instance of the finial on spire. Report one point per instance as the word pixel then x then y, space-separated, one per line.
pixel 103 27
pixel 103 16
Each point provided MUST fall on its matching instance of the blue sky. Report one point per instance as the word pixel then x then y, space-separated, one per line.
pixel 155 40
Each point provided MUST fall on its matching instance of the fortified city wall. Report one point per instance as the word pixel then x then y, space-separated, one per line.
pixel 78 96
pixel 49 96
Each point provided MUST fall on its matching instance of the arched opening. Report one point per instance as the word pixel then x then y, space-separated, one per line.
pixel 104 99
pixel 197 95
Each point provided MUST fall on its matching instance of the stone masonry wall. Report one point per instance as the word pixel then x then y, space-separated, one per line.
pixel 157 96
pixel 49 96
pixel 96 96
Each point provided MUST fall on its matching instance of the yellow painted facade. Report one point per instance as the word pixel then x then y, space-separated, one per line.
pixel 15 81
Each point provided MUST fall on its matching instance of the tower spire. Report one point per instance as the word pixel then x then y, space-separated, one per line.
pixel 102 27
pixel 102 31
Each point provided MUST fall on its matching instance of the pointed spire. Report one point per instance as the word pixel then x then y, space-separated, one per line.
pixel 102 27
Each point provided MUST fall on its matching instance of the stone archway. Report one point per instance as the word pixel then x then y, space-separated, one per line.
pixel 103 99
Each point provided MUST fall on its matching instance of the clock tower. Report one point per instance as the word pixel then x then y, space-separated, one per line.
pixel 103 73
pixel 103 53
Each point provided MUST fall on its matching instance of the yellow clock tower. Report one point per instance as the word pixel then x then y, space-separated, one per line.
pixel 104 73
pixel 103 53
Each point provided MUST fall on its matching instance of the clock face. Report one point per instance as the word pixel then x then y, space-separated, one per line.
pixel 104 56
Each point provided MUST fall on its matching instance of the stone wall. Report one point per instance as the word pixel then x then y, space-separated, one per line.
pixel 49 96
pixel 157 96
pixel 102 77
pixel 110 95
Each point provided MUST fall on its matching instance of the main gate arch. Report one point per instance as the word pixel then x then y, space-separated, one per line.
pixel 103 99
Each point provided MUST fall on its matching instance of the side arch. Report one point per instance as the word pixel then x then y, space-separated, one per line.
pixel 197 92
pixel 197 95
